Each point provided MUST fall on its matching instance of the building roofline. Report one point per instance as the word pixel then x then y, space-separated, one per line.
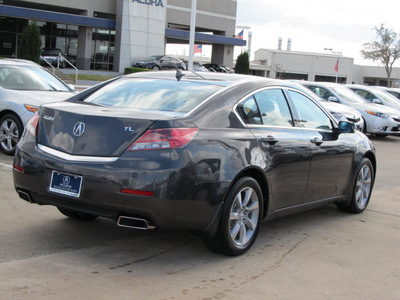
pixel 204 38
pixel 51 16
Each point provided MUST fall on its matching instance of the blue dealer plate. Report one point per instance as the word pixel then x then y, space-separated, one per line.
pixel 66 184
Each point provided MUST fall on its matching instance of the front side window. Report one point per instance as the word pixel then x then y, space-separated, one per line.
pixel 310 115
pixel 274 108
pixel 320 91
pixel 366 95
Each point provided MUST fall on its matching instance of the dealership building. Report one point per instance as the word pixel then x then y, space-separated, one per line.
pixel 328 67
pixel 112 34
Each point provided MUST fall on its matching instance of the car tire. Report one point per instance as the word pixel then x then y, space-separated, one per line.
pixel 10 132
pixel 365 127
pixel 362 188
pixel 240 221
pixel 77 215
pixel 378 135
pixel 156 68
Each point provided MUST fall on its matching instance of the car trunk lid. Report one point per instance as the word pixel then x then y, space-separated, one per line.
pixel 91 130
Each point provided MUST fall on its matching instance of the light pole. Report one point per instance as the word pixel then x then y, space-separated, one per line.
pixel 192 33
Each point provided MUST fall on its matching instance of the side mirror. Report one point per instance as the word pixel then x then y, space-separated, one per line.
pixel 333 99
pixel 346 127
pixel 377 101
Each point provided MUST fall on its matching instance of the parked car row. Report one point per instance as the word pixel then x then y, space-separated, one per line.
pixel 161 62
pixel 380 110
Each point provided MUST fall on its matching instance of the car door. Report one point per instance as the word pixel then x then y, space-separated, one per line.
pixel 284 147
pixel 165 63
pixel 331 152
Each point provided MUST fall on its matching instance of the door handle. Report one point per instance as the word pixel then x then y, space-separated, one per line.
pixel 270 140
pixel 317 141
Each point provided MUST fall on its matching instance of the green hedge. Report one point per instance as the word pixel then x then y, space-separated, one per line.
pixel 134 70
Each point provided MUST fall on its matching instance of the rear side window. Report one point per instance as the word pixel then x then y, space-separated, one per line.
pixel 153 94
pixel 274 108
pixel 268 107
pixel 249 111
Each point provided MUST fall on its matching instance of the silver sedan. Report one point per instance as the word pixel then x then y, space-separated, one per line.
pixel 24 86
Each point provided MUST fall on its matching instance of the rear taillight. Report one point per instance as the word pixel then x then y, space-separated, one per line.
pixel 165 138
pixel 32 125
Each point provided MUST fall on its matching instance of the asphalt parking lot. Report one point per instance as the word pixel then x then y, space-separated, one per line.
pixel 320 254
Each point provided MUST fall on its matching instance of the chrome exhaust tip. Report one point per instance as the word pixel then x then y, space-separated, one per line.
pixel 25 196
pixel 136 223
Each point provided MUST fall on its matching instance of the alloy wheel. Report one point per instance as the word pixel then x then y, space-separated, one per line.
pixel 9 134
pixel 363 187
pixel 243 219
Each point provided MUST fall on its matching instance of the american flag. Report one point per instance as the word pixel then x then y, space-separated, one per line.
pixel 198 48
pixel 337 66
pixel 240 35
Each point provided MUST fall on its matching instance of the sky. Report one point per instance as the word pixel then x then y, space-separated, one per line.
pixel 313 25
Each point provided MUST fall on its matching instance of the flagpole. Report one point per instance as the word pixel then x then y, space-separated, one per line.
pixel 337 62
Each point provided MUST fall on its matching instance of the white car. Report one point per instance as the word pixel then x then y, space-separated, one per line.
pixel 379 120
pixel 339 111
pixel 374 95
pixel 392 91
pixel 24 86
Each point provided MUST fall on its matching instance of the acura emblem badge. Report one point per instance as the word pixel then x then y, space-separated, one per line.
pixel 79 129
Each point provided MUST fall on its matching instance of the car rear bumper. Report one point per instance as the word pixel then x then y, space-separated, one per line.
pixel 178 200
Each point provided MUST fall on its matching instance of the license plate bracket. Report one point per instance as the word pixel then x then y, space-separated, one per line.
pixel 66 184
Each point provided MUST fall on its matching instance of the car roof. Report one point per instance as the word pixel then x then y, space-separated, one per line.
pixel 223 79
pixel 18 62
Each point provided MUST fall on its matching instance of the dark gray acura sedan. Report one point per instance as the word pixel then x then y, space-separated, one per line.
pixel 212 153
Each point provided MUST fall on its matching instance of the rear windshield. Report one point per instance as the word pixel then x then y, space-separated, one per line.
pixel 153 94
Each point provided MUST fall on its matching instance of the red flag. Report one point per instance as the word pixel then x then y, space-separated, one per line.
pixel 198 48
pixel 337 66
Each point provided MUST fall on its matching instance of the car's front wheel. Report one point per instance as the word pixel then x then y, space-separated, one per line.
pixel 10 132
pixel 362 188
pixel 156 68
pixel 77 215
pixel 240 220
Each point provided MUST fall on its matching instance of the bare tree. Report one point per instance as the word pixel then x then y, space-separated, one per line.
pixel 279 71
pixel 385 49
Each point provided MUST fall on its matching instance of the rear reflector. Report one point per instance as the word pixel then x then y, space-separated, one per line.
pixel 137 192
pixel 165 138
pixel 18 168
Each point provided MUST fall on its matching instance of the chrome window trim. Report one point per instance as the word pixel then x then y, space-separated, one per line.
pixel 80 158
